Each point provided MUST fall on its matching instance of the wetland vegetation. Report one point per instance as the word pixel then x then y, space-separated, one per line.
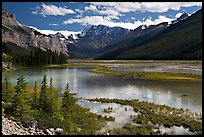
pixel 105 67
pixel 88 77
pixel 151 116
pixel 49 109
pixel 148 75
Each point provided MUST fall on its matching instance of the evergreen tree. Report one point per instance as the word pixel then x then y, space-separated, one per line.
pixel 51 97
pixel 68 102
pixel 21 104
pixel 7 90
pixel 57 103
pixel 43 100
pixel 68 99
pixel 35 97
pixel 54 102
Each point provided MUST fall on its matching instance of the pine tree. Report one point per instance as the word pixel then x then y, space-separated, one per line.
pixel 57 103
pixel 35 97
pixel 21 104
pixel 43 100
pixel 68 99
pixel 51 97
pixel 7 90
pixel 54 103
pixel 68 102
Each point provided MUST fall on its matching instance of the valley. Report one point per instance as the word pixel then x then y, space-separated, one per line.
pixel 89 85
pixel 106 79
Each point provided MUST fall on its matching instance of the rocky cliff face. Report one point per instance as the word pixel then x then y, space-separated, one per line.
pixel 13 31
pixel 8 18
pixel 99 36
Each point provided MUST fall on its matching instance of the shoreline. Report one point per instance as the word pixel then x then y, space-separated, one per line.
pixel 161 115
pixel 101 67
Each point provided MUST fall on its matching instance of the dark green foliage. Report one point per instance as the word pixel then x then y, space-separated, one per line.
pixel 32 57
pixel 72 118
pixel 43 99
pixel 7 90
pixel 7 95
pixel 45 120
pixel 35 97
pixel 68 99
pixel 40 58
pixel 5 49
pixel 54 102
pixel 21 103
pixel 51 97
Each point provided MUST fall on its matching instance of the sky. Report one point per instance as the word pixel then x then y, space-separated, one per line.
pixel 72 17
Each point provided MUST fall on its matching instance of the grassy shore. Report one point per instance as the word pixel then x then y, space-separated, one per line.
pixel 101 66
pixel 150 114
pixel 148 75
pixel 81 120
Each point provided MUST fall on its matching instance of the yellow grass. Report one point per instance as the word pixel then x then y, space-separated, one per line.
pixel 31 90
pixel 147 75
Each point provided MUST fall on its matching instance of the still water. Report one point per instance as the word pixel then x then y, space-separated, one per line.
pixel 85 84
pixel 161 67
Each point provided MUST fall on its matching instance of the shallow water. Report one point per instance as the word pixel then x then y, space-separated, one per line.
pixel 92 85
pixel 176 131
pixel 161 67
pixel 121 116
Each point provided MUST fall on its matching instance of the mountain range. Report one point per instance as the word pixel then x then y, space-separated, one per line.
pixel 181 39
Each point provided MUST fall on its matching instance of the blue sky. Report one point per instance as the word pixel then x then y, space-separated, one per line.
pixel 73 17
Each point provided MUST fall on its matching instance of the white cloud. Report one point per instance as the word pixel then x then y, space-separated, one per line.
pixel 47 32
pixel 93 20
pixel 91 8
pixel 80 11
pixel 52 10
pixel 35 12
pixel 124 7
pixel 100 20
pixel 112 13
pixel 54 24
pixel 115 9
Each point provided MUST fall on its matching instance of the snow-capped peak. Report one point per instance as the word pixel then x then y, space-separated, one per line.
pixel 59 35
pixel 83 33
pixel 144 26
pixel 183 16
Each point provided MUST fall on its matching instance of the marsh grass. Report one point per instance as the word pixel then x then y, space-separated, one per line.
pixel 156 114
pixel 164 76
